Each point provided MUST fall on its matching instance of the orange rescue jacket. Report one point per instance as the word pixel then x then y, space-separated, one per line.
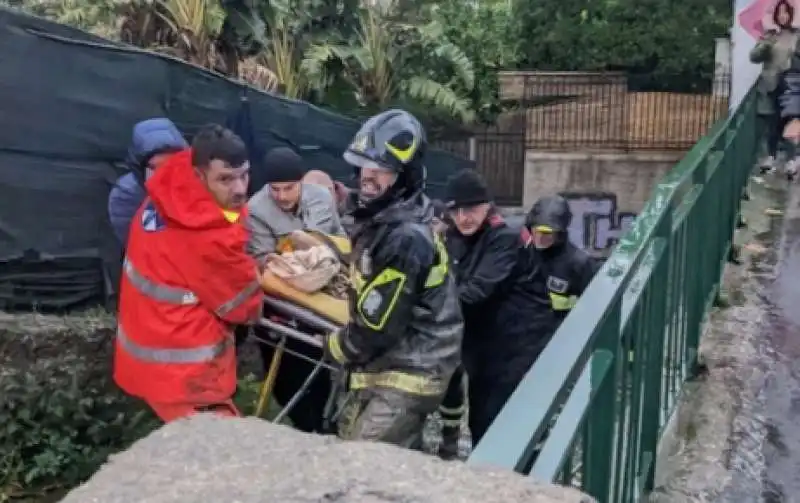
pixel 187 281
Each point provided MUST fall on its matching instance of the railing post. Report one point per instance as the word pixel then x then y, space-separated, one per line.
pixel 600 470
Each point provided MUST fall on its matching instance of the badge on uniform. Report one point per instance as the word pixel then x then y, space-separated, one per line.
pixel 372 302
pixel 360 144
pixel 557 285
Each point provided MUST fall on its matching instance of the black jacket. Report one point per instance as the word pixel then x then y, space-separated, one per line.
pixel 482 264
pixel 547 284
pixel 788 91
pixel 405 317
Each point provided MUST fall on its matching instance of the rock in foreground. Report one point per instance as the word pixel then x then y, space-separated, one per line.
pixel 206 459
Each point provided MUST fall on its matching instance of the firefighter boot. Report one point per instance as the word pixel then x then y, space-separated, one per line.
pixel 448 449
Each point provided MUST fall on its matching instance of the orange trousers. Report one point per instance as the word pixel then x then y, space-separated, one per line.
pixel 171 411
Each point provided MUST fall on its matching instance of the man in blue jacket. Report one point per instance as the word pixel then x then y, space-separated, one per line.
pixel 153 141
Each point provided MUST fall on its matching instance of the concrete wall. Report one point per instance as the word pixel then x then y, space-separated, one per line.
pixel 606 190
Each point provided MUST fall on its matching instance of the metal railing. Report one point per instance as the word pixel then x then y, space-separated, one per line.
pixel 590 412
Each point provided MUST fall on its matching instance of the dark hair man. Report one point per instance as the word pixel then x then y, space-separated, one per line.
pixel 187 281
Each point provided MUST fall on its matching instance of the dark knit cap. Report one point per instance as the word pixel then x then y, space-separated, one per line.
pixel 466 188
pixel 283 164
pixel 439 209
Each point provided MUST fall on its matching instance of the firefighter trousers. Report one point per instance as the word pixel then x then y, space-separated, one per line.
pixel 386 415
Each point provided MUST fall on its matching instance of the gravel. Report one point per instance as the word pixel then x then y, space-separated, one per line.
pixel 206 459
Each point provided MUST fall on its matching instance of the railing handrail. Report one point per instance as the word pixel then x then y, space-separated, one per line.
pixel 563 362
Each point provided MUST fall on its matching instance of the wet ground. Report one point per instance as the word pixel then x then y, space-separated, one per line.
pixel 781 394
pixel 765 456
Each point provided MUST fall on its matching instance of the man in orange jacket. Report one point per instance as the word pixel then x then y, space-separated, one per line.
pixel 187 281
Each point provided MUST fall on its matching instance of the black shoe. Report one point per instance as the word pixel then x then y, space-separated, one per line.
pixel 448 449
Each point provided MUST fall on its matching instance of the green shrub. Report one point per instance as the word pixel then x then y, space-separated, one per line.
pixel 59 423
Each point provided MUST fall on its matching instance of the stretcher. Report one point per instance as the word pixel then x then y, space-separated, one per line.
pixel 307 318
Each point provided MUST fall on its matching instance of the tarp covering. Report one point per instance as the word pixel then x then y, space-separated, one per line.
pixel 70 100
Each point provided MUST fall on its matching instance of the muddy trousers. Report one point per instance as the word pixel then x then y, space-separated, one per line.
pixel 386 415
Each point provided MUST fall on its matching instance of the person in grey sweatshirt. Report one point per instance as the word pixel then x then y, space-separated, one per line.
pixel 283 205
pixel 286 204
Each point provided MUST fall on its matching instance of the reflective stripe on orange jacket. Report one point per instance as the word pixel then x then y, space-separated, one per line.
pixel 187 281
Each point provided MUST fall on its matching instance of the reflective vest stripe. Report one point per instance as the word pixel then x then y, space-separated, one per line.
pixel 199 354
pixel 238 299
pixel 452 411
pixel 413 384
pixel 163 293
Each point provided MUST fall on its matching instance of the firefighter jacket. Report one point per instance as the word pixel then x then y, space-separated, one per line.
pixel 406 326
pixel 548 284
pixel 186 281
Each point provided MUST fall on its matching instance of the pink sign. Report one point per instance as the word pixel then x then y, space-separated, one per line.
pixel 756 18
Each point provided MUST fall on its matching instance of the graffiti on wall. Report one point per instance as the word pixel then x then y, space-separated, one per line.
pixel 597 224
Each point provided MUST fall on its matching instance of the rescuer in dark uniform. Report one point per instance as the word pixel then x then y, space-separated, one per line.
pixel 403 342
pixel 550 275
pixel 483 251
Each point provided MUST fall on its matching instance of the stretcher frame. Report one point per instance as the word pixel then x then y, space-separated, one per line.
pixel 283 333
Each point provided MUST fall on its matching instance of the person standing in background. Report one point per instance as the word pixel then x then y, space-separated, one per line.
pixel 153 141
pixel 774 51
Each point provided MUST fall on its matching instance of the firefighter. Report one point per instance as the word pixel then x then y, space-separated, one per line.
pixel 187 280
pixel 550 275
pixel 403 342
pixel 483 250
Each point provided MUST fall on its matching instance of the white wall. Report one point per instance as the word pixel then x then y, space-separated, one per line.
pixel 744 72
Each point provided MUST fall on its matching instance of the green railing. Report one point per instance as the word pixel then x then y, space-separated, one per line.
pixel 591 410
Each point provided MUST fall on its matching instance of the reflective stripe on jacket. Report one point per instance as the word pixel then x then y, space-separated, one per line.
pixel 186 282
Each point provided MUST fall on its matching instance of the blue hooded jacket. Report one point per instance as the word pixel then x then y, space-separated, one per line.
pixel 150 137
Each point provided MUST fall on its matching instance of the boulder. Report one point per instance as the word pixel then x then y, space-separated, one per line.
pixel 245 460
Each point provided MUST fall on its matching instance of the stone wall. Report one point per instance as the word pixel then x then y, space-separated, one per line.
pixel 207 459
pixel 606 190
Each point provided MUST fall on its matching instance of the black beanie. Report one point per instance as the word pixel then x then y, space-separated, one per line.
pixel 466 188
pixel 283 164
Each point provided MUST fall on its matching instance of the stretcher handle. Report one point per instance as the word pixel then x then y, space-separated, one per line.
pixel 290 332
pixel 275 343
pixel 300 393
pixel 303 315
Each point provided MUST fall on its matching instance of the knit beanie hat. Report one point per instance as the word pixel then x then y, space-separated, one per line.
pixel 283 164
pixel 466 188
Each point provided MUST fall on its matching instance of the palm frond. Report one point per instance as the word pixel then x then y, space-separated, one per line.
pixel 438 95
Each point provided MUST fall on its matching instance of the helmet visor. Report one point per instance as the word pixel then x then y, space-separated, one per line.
pixel 364 161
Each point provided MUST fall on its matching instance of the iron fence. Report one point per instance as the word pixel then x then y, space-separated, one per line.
pixel 595 112
pixel 615 111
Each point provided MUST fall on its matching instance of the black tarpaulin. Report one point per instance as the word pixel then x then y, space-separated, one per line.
pixel 69 102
